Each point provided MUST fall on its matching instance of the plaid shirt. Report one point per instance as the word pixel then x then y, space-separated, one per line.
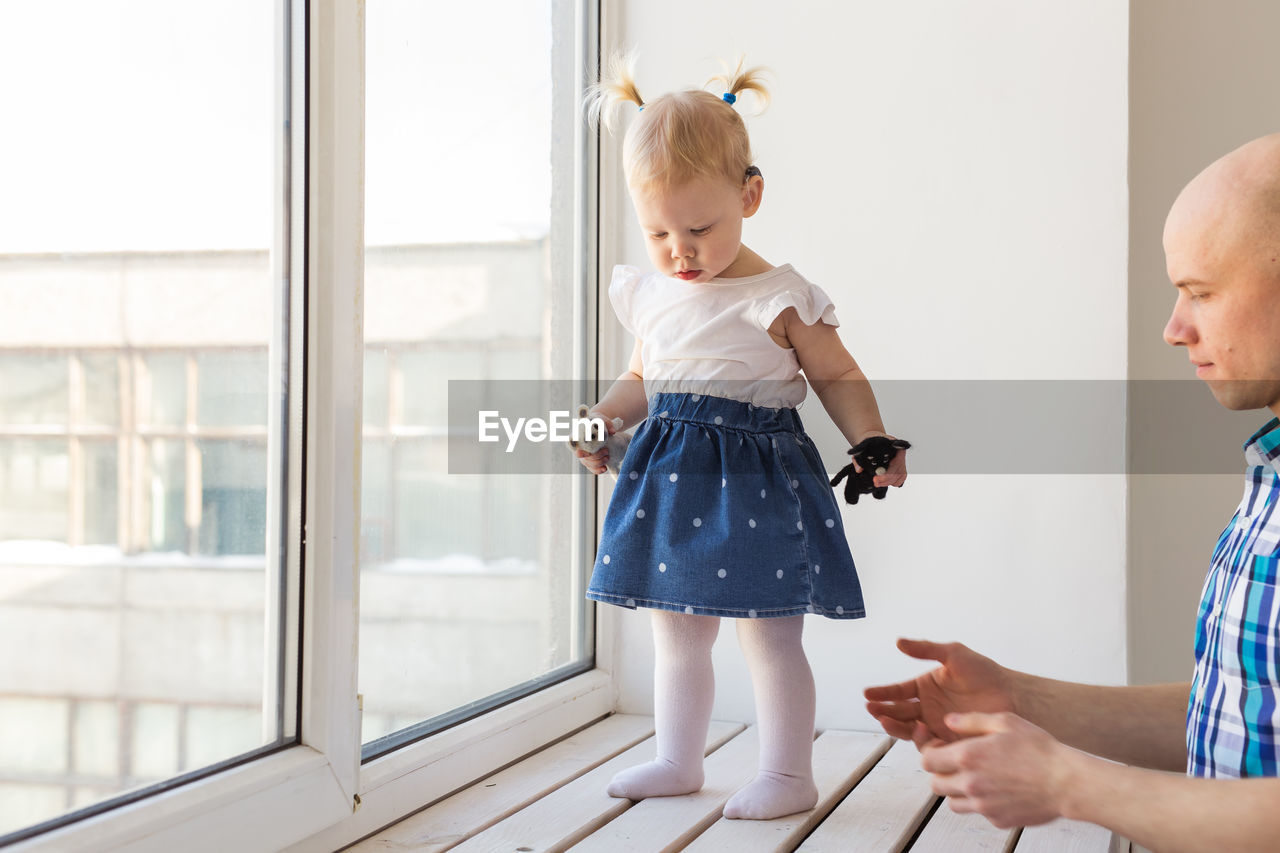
pixel 1234 712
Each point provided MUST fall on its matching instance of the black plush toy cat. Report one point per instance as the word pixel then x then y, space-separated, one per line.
pixel 874 455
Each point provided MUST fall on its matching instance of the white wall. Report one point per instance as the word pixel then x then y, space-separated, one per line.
pixel 954 175
pixel 1203 80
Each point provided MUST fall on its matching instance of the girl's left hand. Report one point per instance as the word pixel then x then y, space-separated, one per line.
pixel 896 473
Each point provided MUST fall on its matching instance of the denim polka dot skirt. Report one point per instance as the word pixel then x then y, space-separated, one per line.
pixel 723 508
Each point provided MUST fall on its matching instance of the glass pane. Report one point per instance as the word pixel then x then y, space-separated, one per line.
pixel 34 388
pixel 101 388
pixel 439 522
pixel 232 389
pixel 137 220
pixel 166 491
pixel 34 491
pixel 467 589
pixel 101 492
pixel 377 509
pixel 376 381
pixel 425 377
pixel 233 504
pixel 166 390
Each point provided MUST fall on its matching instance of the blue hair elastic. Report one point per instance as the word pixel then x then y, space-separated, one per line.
pixel 729 98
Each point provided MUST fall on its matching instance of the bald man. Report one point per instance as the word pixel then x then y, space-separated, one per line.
pixel 1023 750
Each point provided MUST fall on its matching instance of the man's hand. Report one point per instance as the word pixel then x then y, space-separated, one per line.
pixel 966 681
pixel 1006 769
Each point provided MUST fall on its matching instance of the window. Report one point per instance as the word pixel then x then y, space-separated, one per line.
pixel 137 448
pixel 178 632
pixel 471 582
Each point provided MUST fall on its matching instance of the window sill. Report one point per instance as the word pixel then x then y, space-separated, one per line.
pixel 402 782
pixel 264 805
pixel 294 798
pixel 872 795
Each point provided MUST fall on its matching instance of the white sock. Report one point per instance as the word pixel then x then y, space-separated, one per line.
pixel 785 707
pixel 683 689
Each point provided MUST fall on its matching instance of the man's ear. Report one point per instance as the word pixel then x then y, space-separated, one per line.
pixel 752 195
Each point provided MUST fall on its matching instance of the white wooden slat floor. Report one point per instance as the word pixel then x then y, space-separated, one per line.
pixel 872 797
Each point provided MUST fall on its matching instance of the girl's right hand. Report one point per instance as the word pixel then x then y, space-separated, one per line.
pixel 596 462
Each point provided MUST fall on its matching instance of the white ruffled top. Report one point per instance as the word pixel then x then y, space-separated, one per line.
pixel 713 338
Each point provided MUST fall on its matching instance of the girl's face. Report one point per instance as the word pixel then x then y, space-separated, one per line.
pixel 694 230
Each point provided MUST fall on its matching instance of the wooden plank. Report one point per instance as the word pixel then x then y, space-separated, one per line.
pixel 1068 836
pixel 840 760
pixel 495 797
pixel 669 823
pixel 948 832
pixel 574 811
pixel 882 812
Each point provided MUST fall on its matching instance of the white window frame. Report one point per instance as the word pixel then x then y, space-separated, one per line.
pixel 316 796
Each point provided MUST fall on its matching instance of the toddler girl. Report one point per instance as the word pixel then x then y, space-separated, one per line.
pixel 722 506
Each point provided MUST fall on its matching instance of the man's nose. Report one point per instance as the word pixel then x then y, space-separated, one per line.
pixel 1178 332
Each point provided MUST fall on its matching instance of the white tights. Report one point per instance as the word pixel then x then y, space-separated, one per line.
pixel 684 687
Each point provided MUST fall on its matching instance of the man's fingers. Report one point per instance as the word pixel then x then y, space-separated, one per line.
pixel 900 692
pixel 905 711
pixel 922 737
pixel 895 728
pixel 924 650
pixel 941 758
pixel 976 723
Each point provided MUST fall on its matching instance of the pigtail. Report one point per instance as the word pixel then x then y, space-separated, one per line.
pixel 618 86
pixel 744 80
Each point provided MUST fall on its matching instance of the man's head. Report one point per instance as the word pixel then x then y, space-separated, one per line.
pixel 1222 247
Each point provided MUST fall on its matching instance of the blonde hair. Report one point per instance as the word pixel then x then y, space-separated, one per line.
pixel 681 135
